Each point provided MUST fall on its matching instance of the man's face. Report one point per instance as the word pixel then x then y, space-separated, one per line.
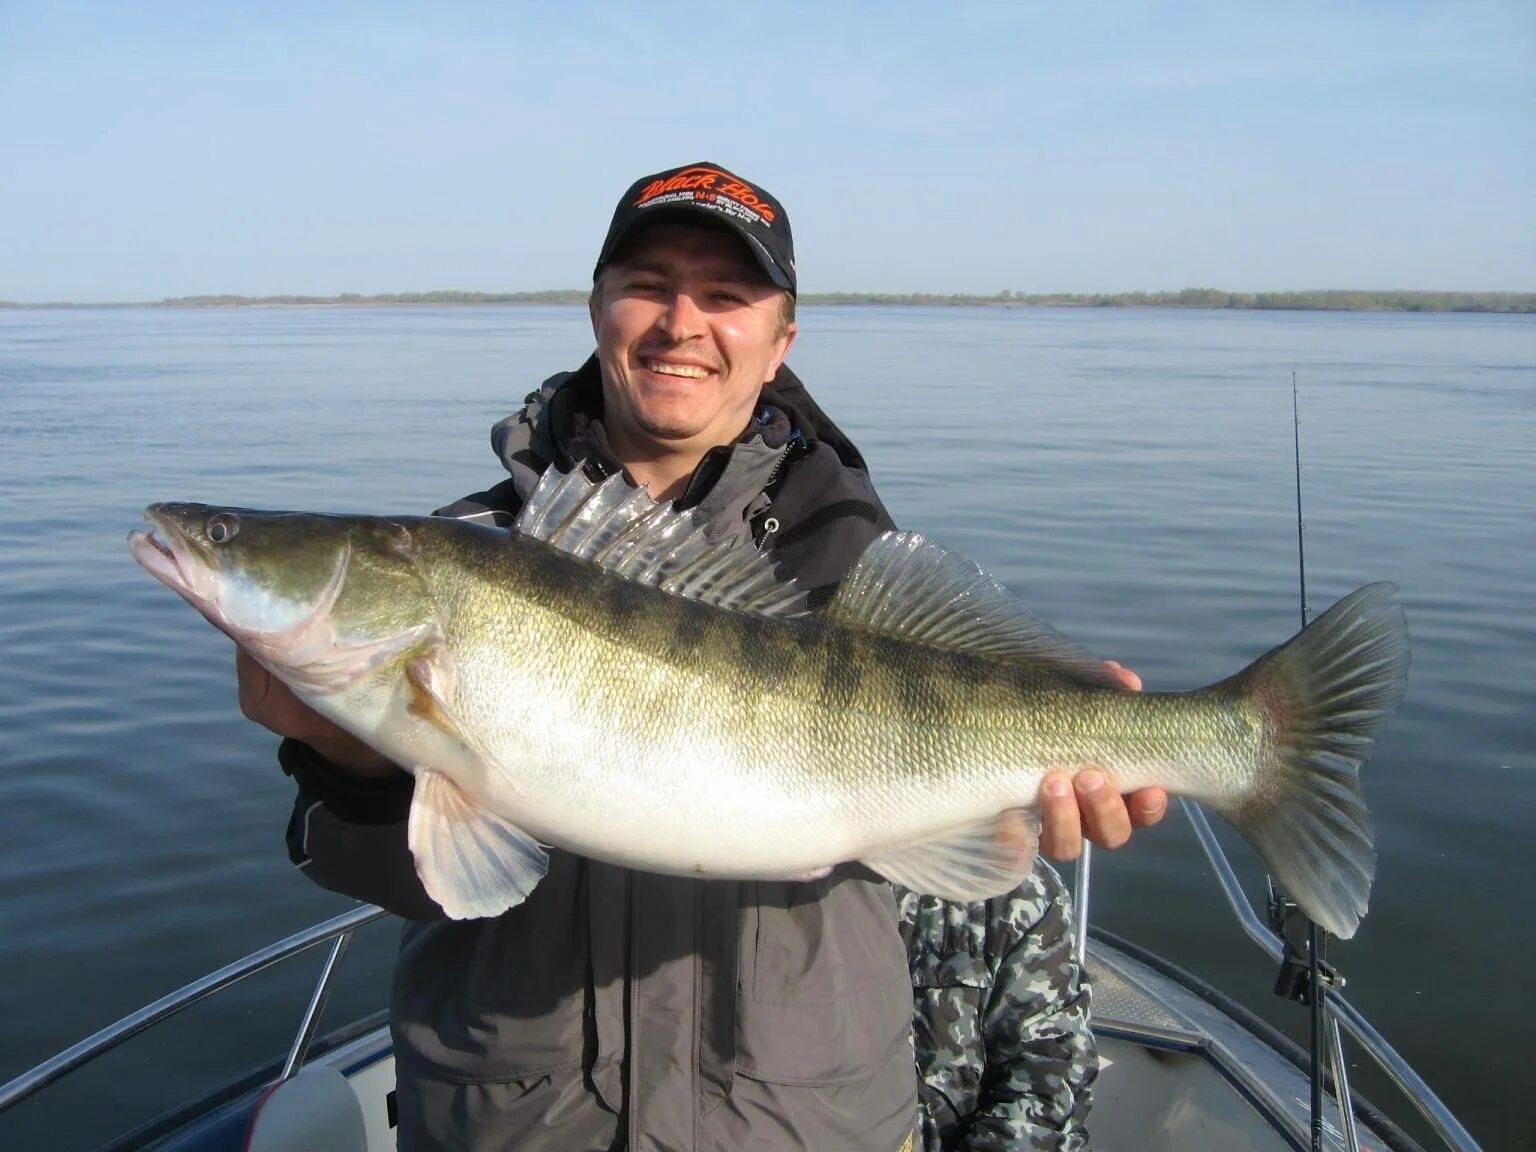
pixel 688 331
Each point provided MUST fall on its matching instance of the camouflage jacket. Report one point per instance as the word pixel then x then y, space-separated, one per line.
pixel 1004 1052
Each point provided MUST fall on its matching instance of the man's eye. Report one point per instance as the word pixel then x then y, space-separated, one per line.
pixel 724 296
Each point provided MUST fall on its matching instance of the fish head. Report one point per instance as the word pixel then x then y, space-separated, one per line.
pixel 298 590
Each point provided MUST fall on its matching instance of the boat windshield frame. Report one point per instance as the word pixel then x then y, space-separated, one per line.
pixel 339 930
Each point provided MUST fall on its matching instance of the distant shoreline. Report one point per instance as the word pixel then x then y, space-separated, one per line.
pixel 1331 300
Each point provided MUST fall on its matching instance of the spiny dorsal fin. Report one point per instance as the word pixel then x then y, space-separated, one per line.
pixel 910 587
pixel 622 530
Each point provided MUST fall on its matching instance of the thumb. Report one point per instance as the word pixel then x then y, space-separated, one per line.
pixel 254 680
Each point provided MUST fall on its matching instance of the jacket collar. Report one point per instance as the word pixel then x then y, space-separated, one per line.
pixel 562 424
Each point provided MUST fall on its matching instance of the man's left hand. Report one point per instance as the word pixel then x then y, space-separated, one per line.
pixel 1084 806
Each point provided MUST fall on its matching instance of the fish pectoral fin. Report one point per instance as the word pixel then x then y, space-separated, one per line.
pixel 970 863
pixel 470 860
pixel 431 679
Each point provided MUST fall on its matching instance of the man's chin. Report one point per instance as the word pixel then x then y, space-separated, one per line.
pixel 668 431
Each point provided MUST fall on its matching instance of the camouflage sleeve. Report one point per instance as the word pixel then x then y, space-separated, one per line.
pixel 1041 1057
pixel 1001 1033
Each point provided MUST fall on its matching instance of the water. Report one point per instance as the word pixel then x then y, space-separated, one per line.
pixel 1128 473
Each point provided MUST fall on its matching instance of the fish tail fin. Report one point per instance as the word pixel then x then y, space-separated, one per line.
pixel 1325 696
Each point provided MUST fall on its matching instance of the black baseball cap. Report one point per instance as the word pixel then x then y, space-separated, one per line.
pixel 708 192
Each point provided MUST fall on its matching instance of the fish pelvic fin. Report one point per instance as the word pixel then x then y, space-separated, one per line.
pixel 969 863
pixel 1325 696
pixel 470 860
pixel 907 586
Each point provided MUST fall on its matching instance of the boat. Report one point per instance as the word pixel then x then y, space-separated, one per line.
pixel 1182 1065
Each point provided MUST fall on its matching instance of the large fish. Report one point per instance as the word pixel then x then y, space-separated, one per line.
pixel 603 678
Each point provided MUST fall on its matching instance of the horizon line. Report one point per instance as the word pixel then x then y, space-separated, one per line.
pixel 1195 297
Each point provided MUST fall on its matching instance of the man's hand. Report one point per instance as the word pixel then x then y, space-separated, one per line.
pixel 1084 806
pixel 269 702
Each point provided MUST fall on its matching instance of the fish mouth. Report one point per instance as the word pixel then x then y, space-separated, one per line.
pixel 156 551
pixel 167 554
pixel 221 591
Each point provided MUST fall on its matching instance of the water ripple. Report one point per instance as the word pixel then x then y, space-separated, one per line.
pixel 1128 474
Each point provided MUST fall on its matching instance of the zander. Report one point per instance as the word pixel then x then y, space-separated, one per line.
pixel 604 679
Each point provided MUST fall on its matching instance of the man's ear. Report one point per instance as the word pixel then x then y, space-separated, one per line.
pixel 786 342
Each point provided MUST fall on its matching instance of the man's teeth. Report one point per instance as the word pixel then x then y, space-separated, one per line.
pixel 691 371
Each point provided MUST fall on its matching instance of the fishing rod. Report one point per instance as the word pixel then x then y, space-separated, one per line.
pixel 1310 984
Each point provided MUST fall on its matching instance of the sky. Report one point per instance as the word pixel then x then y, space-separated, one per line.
pixel 150 150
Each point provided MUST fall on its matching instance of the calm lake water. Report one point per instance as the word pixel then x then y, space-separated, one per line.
pixel 1127 473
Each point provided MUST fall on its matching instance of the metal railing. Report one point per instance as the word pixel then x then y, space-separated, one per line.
pixel 1398 1071
pixel 338 929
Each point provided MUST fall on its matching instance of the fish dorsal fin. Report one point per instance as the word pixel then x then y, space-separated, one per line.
pixel 910 587
pixel 622 530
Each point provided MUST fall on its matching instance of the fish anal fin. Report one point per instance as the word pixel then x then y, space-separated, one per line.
pixel 471 861
pixel 973 862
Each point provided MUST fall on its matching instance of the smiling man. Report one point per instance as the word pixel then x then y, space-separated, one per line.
pixel 688 331
pixel 616 1009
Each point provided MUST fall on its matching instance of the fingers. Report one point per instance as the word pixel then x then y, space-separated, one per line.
pixel 1147 806
pixel 1127 678
pixel 1087 807
pixel 267 701
pixel 1061 834
pixel 1105 818
pixel 254 683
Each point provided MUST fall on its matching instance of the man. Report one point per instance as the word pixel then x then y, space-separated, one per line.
pixel 1006 1059
pixel 619 1009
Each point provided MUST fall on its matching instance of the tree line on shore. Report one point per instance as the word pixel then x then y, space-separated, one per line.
pixel 1324 300
pixel 1328 300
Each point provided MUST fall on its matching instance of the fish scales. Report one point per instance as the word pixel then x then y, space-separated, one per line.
pixel 984 732
pixel 606 680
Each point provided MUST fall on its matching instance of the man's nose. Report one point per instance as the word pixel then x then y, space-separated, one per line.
pixel 683 318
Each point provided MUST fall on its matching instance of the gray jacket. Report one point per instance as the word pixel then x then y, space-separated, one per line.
pixel 621 1009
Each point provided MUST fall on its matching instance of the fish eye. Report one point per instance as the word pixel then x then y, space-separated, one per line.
pixel 222 528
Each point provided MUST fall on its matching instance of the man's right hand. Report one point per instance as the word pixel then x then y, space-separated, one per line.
pixel 269 702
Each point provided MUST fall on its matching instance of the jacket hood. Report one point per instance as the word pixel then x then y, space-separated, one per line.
pixel 561 423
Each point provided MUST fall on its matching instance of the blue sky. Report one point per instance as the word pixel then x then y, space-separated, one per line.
pixel 161 149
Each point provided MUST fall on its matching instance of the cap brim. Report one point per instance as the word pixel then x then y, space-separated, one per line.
pixel 696 217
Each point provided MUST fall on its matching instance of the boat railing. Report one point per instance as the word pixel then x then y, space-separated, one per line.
pixel 1337 1007
pixel 338 930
